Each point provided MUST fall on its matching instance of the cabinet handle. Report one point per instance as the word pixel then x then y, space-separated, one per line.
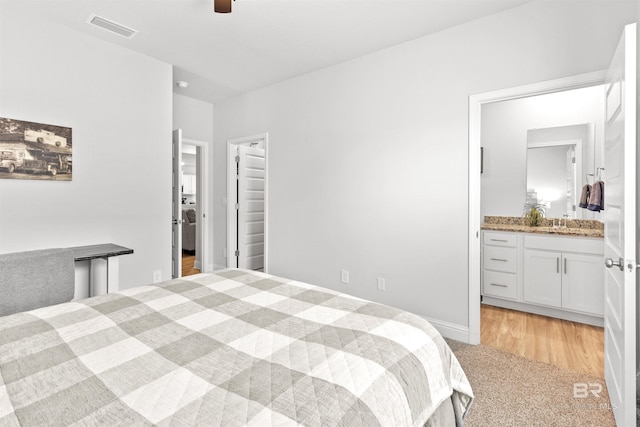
pixel 558 265
pixel 498 259
pixel 565 266
pixel 500 285
pixel 499 240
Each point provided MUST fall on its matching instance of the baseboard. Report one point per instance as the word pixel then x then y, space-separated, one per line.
pixel 451 330
pixel 545 311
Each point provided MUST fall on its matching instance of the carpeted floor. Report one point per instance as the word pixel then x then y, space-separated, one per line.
pixel 513 391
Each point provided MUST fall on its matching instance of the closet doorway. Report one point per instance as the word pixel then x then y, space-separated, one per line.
pixel 502 190
pixel 247 202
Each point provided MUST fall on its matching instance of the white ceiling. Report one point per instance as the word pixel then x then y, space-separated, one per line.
pixel 261 42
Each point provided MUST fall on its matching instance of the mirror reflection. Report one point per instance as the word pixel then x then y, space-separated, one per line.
pixel 554 171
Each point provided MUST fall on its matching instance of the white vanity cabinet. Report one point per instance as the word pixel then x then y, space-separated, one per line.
pixel 500 265
pixel 583 283
pixel 543 280
pixel 553 275
pixel 188 184
pixel 566 272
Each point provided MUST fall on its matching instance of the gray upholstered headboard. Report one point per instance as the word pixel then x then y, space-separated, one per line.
pixel 35 279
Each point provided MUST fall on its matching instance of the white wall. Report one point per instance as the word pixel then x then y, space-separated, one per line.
pixel 504 138
pixel 368 159
pixel 195 118
pixel 118 104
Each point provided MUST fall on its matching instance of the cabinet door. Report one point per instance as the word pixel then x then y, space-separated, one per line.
pixel 194 186
pixel 583 283
pixel 189 184
pixel 542 278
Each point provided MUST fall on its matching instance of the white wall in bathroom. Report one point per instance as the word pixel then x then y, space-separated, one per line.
pixel 504 138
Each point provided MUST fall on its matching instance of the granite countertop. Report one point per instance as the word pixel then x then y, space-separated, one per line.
pixel 575 227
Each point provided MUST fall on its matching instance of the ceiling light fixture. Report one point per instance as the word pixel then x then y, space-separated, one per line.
pixel 222 6
pixel 182 84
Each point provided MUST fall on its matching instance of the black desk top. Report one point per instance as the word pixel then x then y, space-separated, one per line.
pixel 105 250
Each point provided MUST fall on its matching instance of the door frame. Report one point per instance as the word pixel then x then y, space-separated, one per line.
pixel 232 145
pixel 475 108
pixel 176 210
pixel 202 182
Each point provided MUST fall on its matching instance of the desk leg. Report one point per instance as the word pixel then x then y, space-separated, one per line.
pixel 83 280
pixel 98 277
pixel 113 274
pixel 104 276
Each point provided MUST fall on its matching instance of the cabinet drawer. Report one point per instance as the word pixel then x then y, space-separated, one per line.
pixel 500 239
pixel 500 259
pixel 501 285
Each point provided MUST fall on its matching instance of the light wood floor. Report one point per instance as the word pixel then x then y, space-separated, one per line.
pixel 187 264
pixel 569 345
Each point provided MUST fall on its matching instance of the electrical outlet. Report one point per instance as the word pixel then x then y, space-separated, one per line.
pixel 381 284
pixel 344 276
pixel 157 276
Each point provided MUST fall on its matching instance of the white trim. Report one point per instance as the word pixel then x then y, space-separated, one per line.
pixel 231 178
pixel 450 330
pixel 176 210
pixel 576 142
pixel 545 311
pixel 231 219
pixel 475 107
pixel 204 165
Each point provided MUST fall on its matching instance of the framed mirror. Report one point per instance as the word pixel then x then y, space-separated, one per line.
pixel 554 177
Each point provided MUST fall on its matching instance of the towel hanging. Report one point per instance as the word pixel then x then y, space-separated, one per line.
pixel 596 200
pixel 584 197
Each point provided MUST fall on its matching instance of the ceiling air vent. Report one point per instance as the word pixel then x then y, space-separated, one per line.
pixel 111 26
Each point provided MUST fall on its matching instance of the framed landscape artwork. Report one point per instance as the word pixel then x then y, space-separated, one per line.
pixel 38 151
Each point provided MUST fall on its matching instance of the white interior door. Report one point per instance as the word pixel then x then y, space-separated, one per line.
pixel 251 173
pixel 620 230
pixel 176 209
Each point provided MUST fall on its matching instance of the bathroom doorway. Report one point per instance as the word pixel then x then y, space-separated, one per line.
pixel 499 123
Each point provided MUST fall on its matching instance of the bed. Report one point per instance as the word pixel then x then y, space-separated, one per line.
pixel 230 348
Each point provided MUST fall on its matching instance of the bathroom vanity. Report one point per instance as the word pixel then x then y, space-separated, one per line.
pixel 557 272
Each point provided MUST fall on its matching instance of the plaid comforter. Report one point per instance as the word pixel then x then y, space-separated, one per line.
pixel 232 348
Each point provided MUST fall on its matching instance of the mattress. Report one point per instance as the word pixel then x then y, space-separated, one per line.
pixel 230 348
